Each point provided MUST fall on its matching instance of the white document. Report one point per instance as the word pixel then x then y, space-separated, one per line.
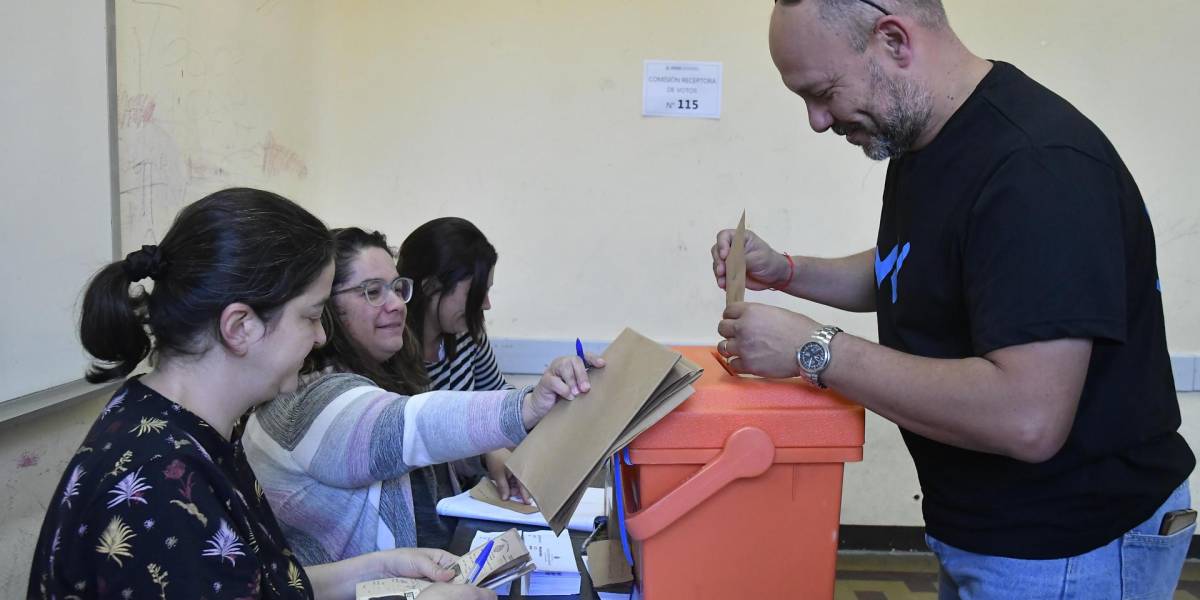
pixel 685 89
pixel 483 537
pixel 464 506
pixel 551 553
pixel 556 572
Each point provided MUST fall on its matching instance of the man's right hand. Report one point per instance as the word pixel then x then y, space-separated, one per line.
pixel 765 268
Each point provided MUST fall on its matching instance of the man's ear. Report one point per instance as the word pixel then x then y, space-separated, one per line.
pixel 239 327
pixel 893 33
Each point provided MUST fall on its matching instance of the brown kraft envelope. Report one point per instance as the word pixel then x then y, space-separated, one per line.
pixel 556 458
pixel 735 265
pixel 606 563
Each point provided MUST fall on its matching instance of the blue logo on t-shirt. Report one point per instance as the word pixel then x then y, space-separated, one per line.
pixel 892 265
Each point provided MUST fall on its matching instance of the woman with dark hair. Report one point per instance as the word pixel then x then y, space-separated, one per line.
pixel 453 266
pixel 335 457
pixel 159 498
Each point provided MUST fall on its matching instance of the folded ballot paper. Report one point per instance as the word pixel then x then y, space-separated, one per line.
pixel 735 265
pixel 641 383
pixel 490 566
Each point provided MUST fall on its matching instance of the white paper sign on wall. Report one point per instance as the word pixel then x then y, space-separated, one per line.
pixel 684 89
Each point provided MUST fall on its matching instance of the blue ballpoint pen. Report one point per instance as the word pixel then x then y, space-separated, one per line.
pixel 579 351
pixel 481 560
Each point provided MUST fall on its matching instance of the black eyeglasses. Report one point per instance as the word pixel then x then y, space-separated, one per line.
pixel 373 290
pixel 876 7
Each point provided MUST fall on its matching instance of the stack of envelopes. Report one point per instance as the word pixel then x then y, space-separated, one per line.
pixel 641 383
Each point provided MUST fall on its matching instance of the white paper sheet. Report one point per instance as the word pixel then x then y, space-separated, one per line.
pixel 463 505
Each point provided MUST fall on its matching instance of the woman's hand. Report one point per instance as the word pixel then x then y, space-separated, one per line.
pixel 432 565
pixel 566 377
pixel 507 484
pixel 336 581
pixel 417 563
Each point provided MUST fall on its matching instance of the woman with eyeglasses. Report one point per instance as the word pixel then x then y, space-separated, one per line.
pixel 159 500
pixel 335 457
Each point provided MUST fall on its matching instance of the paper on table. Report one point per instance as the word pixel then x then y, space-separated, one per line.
pixel 483 537
pixel 557 573
pixel 464 506
pixel 485 491
pixel 551 552
pixel 735 265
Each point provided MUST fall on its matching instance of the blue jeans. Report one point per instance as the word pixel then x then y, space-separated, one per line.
pixel 1138 565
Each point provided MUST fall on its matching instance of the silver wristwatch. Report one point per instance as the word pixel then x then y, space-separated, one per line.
pixel 813 356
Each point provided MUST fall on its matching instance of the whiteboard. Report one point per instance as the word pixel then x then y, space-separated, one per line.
pixel 58 196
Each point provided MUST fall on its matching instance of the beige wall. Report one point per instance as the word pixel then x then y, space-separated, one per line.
pixel 524 116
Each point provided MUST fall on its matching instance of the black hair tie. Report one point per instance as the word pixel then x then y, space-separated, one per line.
pixel 147 262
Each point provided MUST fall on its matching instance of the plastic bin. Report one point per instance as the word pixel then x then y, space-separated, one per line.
pixel 737 493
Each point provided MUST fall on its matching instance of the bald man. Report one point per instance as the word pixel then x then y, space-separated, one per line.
pixel 1022 346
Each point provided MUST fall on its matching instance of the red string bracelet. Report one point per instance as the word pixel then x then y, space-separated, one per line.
pixel 791 273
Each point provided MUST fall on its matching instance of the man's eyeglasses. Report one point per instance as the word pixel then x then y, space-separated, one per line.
pixel 374 290
pixel 876 7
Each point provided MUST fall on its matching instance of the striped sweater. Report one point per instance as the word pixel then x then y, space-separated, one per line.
pixel 334 458
pixel 473 368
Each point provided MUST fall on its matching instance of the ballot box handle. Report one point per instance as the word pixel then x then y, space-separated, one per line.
pixel 748 452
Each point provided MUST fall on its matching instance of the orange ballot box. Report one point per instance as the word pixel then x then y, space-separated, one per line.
pixel 737 493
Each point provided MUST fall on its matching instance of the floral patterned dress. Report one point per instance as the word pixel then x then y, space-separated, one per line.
pixel 156 504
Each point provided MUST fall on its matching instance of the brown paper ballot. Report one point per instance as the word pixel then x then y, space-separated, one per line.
pixel 606 561
pixel 735 265
pixel 642 382
pixel 606 564
pixel 485 491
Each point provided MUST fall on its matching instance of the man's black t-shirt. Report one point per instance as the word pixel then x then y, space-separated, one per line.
pixel 1019 223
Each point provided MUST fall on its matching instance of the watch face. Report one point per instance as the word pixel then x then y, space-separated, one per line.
pixel 811 356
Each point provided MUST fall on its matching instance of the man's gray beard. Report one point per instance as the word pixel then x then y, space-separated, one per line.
pixel 901 125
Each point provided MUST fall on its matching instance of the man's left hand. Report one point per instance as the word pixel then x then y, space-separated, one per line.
pixel 762 340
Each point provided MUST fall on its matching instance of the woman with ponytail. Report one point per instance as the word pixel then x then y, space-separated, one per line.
pixel 159 500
